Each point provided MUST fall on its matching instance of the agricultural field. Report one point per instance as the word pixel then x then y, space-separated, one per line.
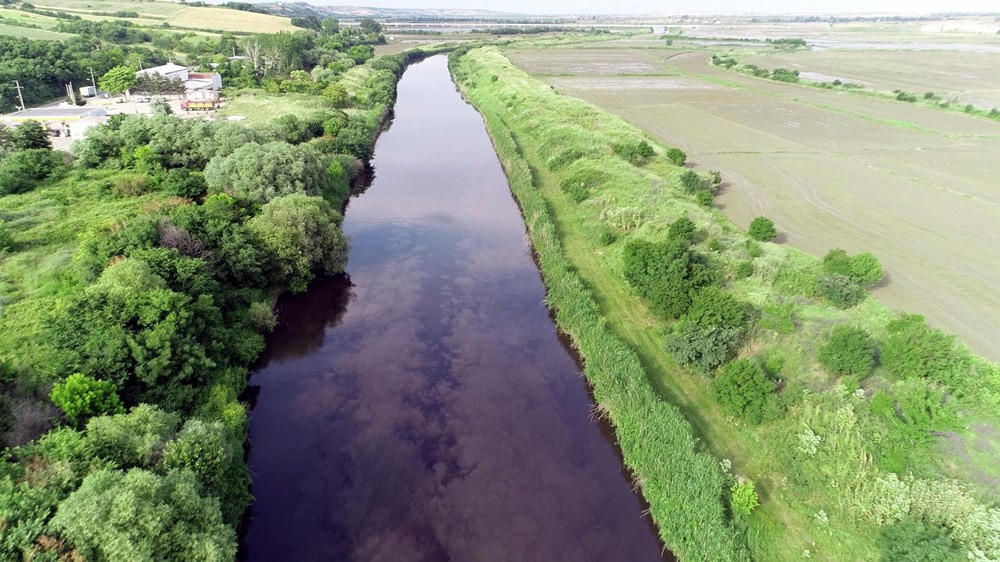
pixel 175 14
pixel 949 74
pixel 912 184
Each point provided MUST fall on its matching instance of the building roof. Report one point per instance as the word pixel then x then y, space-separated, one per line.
pixel 163 69
pixel 56 113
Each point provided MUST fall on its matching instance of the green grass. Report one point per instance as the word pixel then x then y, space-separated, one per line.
pixel 258 107
pixel 815 504
pixel 29 33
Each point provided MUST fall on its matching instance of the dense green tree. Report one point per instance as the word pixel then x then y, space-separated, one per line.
pixel 665 274
pixel 81 397
pixel 6 139
pixel 368 25
pixel 712 330
pixel 742 389
pixel 848 351
pixel 135 439
pixel 299 234
pixel 20 172
pixel 762 229
pixel 184 183
pixel 30 135
pixel 263 172
pixel 218 465
pixel 118 80
pixel 137 516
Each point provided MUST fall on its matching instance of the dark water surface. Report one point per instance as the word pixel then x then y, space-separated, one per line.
pixel 424 408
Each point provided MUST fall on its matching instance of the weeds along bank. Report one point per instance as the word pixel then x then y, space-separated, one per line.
pixel 138 278
pixel 736 370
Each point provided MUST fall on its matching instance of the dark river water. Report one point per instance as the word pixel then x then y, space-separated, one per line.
pixel 423 407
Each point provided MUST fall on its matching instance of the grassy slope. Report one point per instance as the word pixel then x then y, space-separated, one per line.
pixel 787 525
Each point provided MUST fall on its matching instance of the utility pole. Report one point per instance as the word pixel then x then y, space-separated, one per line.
pixel 93 82
pixel 19 96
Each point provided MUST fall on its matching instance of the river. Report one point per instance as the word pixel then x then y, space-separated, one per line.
pixel 422 406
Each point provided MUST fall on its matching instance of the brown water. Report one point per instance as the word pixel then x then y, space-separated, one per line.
pixel 425 408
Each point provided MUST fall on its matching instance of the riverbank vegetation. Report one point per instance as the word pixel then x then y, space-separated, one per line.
pixel 137 278
pixel 703 341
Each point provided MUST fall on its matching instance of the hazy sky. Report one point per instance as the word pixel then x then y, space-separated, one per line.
pixel 690 6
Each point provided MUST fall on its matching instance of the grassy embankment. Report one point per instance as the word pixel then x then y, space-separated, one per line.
pixel 841 475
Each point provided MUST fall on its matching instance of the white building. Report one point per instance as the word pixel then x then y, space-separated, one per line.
pixel 193 81
pixel 169 70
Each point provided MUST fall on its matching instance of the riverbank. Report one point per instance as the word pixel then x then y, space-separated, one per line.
pixel 827 452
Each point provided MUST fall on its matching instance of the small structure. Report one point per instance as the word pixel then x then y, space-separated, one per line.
pixel 201 100
pixel 169 70
pixel 88 91
pixel 78 128
pixel 201 81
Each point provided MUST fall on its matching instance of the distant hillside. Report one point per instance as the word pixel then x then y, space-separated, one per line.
pixel 299 9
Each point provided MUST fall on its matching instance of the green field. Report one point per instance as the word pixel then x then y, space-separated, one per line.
pixel 825 461
pixel 833 169
pixel 175 14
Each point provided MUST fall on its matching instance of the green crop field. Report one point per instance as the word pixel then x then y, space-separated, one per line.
pixel 912 184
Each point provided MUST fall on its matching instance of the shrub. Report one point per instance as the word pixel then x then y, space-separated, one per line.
pixel 848 351
pixel 81 397
pixel 743 498
pixel 666 274
pixel 21 171
pixel 863 268
pixel 636 153
pixel 913 540
pixel 762 229
pixel 682 230
pixel 704 198
pixel 744 269
pixel 841 291
pixel 184 183
pixel 677 156
pixel 742 389
pixel 690 181
pixel 139 515
pixel 263 172
pixel 608 236
pixel 30 135
pixel 912 349
pixel 299 234
pixel 262 316
pixel 714 327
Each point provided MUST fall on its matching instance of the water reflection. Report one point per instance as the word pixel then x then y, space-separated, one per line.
pixel 439 417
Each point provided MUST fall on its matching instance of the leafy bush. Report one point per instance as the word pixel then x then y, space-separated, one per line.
pixel 30 135
pixel 912 349
pixel 263 172
pixel 299 234
pixel 841 291
pixel 848 351
pixel 744 269
pixel 913 540
pixel 743 498
pixel 636 153
pixel 863 268
pixel 81 397
pixel 677 156
pixel 184 183
pixel 709 334
pixel 139 515
pixel 682 230
pixel 762 228
pixel 665 274
pixel 742 389
pixel 704 198
pixel 21 171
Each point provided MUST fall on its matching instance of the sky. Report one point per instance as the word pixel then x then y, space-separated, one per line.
pixel 696 6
